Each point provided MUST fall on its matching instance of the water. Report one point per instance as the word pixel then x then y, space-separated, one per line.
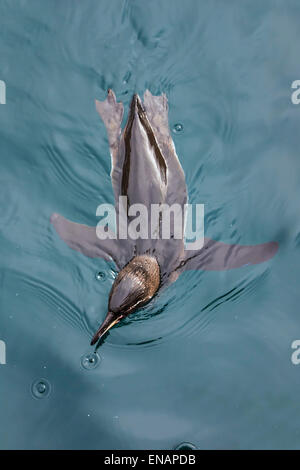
pixel 208 362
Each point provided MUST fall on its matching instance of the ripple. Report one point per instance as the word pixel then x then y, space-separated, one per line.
pixel 162 320
pixel 186 446
pixel 145 328
pixel 238 293
pixel 63 171
pixel 59 303
pixel 155 324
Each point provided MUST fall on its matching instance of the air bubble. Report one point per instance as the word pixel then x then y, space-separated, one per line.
pixel 100 276
pixel 90 361
pixel 186 446
pixel 41 388
pixel 177 128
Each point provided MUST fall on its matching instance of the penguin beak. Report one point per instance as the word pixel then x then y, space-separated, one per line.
pixel 110 320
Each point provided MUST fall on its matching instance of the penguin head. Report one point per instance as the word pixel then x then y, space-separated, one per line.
pixel 134 286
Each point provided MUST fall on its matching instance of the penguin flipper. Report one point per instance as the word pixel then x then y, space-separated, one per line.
pixel 84 239
pixel 219 256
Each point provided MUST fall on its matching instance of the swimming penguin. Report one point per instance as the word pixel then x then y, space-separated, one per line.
pixel 146 169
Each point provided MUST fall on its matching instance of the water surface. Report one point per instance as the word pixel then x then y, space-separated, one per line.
pixel 209 361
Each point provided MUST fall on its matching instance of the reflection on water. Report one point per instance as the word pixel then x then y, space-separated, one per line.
pixel 208 360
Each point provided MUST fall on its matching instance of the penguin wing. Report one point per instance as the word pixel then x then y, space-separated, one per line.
pixel 219 256
pixel 84 239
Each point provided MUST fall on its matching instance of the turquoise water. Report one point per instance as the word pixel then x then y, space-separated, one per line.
pixel 210 361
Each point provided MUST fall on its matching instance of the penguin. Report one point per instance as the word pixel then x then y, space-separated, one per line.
pixel 146 171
